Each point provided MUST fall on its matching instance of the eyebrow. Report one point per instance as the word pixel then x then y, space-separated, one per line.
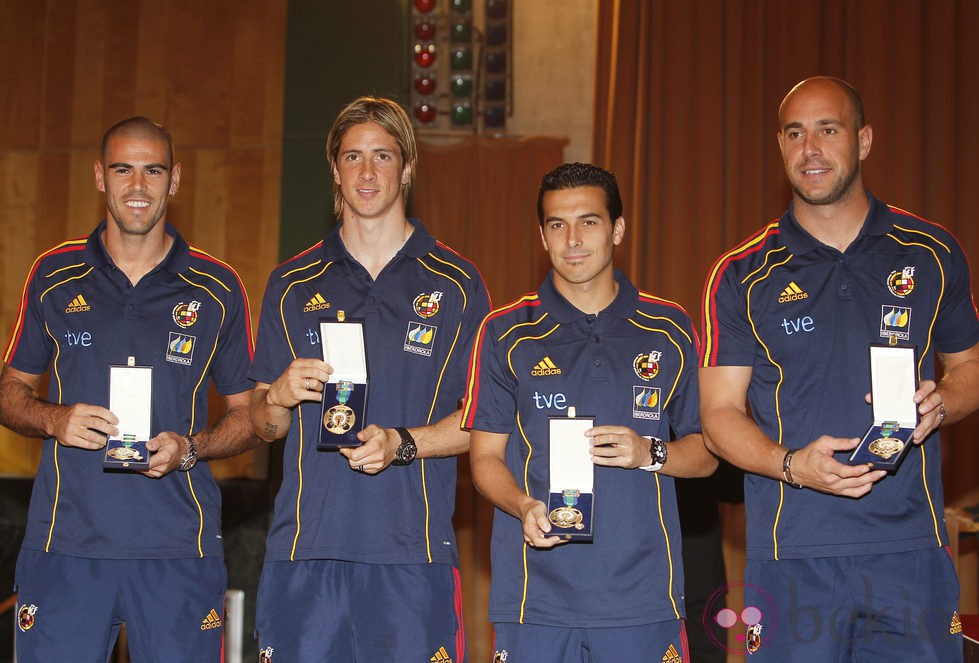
pixel 121 164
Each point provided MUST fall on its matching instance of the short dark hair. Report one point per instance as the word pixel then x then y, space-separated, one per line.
pixel 575 175
pixel 387 114
pixel 140 126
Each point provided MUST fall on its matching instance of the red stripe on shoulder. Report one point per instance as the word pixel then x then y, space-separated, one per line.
pixel 69 246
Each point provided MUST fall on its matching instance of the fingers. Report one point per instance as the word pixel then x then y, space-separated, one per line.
pixel 815 467
pixel 165 454
pixel 86 426
pixel 304 380
pixel 536 527
pixel 931 410
pixel 617 446
pixel 376 452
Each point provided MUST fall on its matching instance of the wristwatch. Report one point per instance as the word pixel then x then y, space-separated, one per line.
pixel 657 451
pixel 407 450
pixel 187 462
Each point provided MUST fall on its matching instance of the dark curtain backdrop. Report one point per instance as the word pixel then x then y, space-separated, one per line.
pixel 686 114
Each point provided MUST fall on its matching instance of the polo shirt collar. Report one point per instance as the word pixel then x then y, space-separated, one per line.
pixel 419 244
pixel 176 261
pixel 799 241
pixel 623 306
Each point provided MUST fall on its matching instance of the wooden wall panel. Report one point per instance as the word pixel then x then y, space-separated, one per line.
pixel 212 73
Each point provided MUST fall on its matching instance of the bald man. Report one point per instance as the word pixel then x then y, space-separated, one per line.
pixel 845 561
pixel 103 545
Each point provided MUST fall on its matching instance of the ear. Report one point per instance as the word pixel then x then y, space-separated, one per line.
pixel 780 138
pixel 618 231
pixel 175 179
pixel 542 240
pixel 406 172
pixel 336 174
pixel 99 177
pixel 866 137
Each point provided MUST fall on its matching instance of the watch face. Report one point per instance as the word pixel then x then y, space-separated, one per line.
pixel 407 452
pixel 658 452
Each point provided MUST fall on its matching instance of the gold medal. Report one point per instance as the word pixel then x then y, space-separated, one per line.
pixel 125 453
pixel 339 419
pixel 885 447
pixel 566 516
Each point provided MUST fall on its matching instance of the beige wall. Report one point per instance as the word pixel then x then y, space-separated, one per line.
pixel 554 72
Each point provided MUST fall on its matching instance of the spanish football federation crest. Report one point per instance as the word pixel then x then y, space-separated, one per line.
pixel 901 283
pixel 647 365
pixel 26 616
pixel 427 304
pixel 185 314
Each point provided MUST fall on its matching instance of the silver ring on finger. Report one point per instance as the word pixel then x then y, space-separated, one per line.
pixel 307 384
pixel 361 468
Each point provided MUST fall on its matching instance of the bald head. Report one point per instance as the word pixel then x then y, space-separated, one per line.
pixel 141 128
pixel 827 85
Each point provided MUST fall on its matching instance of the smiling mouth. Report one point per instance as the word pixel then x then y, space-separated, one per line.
pixel 137 203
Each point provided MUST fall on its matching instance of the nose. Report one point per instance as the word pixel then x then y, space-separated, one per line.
pixel 367 171
pixel 574 238
pixel 811 145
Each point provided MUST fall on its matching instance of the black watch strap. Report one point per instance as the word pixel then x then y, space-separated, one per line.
pixel 407 450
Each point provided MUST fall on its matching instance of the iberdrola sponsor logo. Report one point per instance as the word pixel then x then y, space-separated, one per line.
pixel 78 305
pixel 418 339
pixel 545 367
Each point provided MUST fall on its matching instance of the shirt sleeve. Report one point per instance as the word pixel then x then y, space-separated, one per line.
pixel 490 402
pixel 31 349
pixel 957 326
pixel 684 406
pixel 234 351
pixel 728 339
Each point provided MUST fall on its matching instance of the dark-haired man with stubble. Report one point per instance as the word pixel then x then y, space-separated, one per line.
pixel 107 547
pixel 587 338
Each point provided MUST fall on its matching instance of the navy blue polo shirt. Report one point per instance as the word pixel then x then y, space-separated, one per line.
pixel 634 364
pixel 802 315
pixel 420 316
pixel 188 319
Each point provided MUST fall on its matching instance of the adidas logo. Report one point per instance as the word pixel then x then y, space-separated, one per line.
pixel 441 656
pixel 792 293
pixel 78 305
pixel 956 626
pixel 212 620
pixel 545 367
pixel 317 303
pixel 672 656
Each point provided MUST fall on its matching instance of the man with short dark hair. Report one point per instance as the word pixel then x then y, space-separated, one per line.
pixel 844 564
pixel 361 561
pixel 105 547
pixel 586 339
